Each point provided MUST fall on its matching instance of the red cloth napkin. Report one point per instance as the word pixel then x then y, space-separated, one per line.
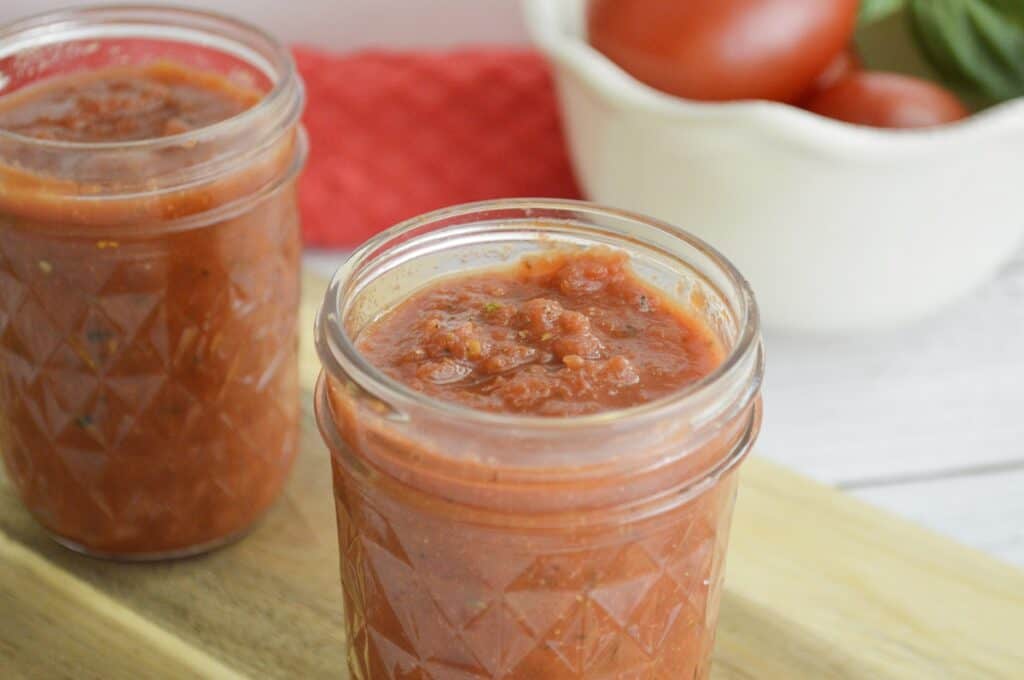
pixel 397 134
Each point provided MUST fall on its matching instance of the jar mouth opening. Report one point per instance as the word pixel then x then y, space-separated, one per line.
pixel 178 23
pixel 340 356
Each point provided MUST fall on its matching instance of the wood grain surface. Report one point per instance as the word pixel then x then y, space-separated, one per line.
pixel 819 586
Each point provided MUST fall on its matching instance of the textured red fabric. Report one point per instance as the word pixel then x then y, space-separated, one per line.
pixel 397 134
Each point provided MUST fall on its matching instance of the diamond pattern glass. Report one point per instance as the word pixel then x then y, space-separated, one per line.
pixel 430 597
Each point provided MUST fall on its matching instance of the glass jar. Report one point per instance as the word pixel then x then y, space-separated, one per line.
pixel 149 293
pixel 497 546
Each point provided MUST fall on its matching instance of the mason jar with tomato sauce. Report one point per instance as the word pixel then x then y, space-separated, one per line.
pixel 554 540
pixel 149 276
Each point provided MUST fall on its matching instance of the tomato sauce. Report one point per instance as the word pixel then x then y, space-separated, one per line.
pixel 557 336
pixel 148 378
pixel 461 567
pixel 124 104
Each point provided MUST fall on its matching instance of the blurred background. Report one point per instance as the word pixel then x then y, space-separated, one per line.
pixel 351 24
pixel 925 420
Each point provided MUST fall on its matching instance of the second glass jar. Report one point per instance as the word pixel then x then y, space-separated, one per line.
pixel 520 547
pixel 149 293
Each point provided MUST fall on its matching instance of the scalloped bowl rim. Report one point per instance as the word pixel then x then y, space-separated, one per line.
pixel 798 125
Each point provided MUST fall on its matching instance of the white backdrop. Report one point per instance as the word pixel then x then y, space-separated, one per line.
pixel 348 24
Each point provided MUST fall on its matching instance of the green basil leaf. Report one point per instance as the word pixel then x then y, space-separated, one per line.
pixel 1011 9
pixel 876 10
pixel 978 49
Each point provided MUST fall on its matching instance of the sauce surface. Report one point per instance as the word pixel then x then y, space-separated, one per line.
pixel 123 104
pixel 148 380
pixel 558 335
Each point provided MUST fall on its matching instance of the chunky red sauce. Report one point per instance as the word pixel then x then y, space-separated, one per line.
pixel 454 566
pixel 559 335
pixel 125 104
pixel 148 388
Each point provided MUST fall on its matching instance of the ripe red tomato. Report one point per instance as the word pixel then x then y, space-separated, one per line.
pixel 888 100
pixel 846 63
pixel 723 49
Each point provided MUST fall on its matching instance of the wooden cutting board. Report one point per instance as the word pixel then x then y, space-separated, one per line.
pixel 819 586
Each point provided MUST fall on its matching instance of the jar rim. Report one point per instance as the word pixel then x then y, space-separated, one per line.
pixel 77 22
pixel 338 352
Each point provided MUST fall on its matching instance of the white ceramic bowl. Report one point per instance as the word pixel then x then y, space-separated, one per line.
pixel 838 227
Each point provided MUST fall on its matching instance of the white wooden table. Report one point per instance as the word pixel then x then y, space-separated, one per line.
pixel 927 421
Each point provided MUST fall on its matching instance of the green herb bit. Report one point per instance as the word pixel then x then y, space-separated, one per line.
pixel 491 307
pixel 84 421
pixel 98 335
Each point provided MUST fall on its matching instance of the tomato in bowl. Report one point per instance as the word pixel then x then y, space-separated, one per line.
pixel 722 50
pixel 887 100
